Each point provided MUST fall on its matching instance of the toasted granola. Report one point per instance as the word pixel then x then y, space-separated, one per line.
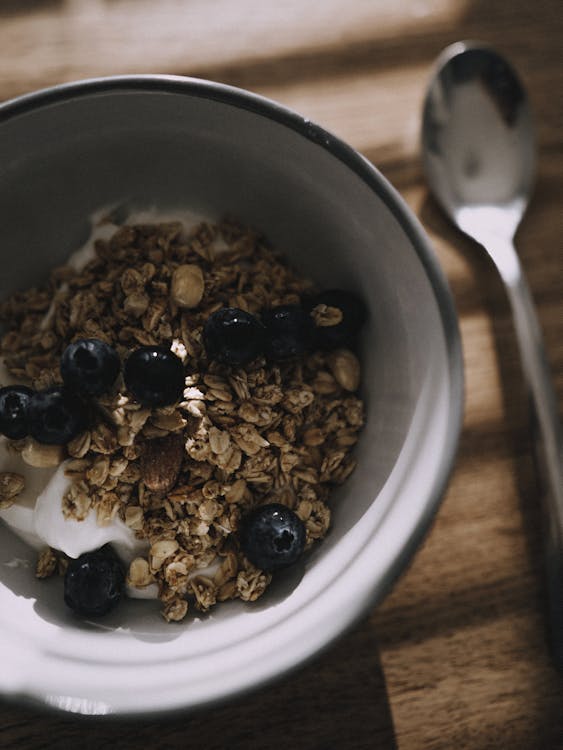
pixel 181 477
pixel 11 485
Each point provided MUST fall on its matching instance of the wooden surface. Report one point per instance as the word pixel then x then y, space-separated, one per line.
pixel 461 637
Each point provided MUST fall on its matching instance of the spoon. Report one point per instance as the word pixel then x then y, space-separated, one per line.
pixel 479 158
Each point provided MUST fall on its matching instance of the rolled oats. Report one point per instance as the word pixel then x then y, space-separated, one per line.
pixel 107 508
pixel 251 583
pixel 175 610
pixel 11 485
pixel 76 502
pixel 325 316
pixel 236 491
pixel 139 574
pixel 160 551
pixel 227 570
pixel 136 304
pixel 98 471
pixel 219 440
pixel 79 446
pixel 314 436
pixel 134 517
pixel 227 590
pixel 47 563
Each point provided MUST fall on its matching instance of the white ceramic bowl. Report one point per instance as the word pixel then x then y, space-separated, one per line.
pixel 176 142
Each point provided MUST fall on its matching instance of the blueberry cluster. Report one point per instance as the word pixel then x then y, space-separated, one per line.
pixel 272 537
pixel 89 367
pixel 235 337
pixel 52 416
pixel 155 376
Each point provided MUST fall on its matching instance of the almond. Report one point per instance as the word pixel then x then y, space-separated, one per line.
pixel 187 286
pixel 345 368
pixel 42 456
pixel 161 462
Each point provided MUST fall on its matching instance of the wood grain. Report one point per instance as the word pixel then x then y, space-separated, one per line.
pixel 462 635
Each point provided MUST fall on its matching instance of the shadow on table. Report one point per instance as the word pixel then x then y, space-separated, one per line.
pixel 518 430
pixel 21 7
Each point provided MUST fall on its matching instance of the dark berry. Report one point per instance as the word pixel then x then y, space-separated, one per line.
pixel 344 332
pixel 94 582
pixel 56 415
pixel 289 332
pixel 272 536
pixel 155 376
pixel 233 337
pixel 14 403
pixel 89 366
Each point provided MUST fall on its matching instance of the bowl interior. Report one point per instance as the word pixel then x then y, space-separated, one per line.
pixel 170 147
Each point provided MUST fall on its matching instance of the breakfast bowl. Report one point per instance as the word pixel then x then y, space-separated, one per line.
pixel 165 144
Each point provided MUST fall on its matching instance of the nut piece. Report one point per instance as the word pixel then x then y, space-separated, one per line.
pixel 325 316
pixel 139 574
pixel 42 456
pixel 11 485
pixel 161 462
pixel 187 286
pixel 346 369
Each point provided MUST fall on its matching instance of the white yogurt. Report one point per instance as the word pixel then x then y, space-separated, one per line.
pixel 75 537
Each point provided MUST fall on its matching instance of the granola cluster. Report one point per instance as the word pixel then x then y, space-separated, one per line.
pixel 182 476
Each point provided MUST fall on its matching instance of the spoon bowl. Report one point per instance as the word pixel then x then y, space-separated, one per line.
pixel 479 145
pixel 479 157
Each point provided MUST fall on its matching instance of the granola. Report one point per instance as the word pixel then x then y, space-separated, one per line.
pixel 181 477
pixel 11 485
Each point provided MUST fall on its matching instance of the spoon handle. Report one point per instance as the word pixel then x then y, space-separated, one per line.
pixel 547 432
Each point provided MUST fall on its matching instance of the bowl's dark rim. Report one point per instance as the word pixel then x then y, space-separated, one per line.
pixel 369 174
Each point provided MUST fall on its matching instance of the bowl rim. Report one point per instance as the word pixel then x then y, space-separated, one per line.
pixel 370 175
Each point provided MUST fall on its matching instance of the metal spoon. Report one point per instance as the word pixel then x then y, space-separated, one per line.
pixel 479 156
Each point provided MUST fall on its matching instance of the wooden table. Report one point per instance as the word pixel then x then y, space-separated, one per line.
pixel 455 657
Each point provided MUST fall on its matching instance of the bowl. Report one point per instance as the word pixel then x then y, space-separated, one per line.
pixel 173 142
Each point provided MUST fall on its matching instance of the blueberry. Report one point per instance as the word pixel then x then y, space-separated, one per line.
pixel 354 315
pixel 272 536
pixel 155 376
pixel 289 332
pixel 94 582
pixel 56 415
pixel 89 366
pixel 14 403
pixel 233 337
